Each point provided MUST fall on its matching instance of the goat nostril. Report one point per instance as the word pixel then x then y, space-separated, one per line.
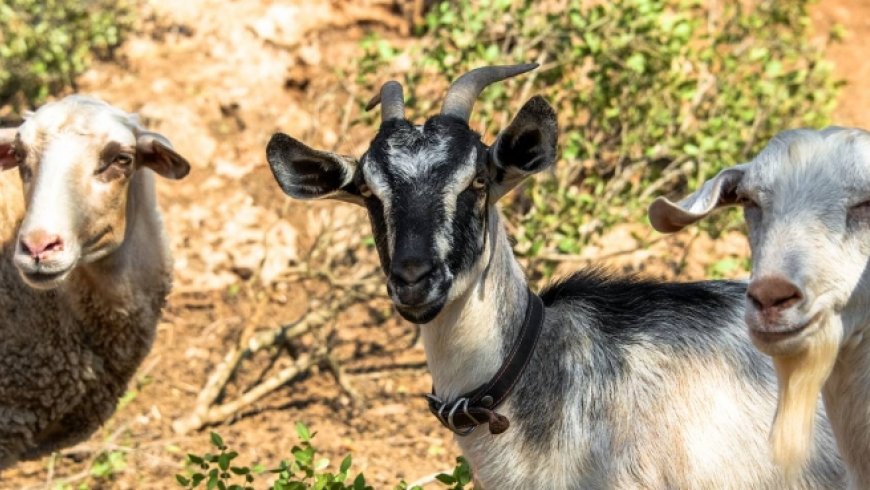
pixel 412 271
pixel 755 302
pixel 783 303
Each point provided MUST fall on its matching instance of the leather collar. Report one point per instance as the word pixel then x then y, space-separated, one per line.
pixel 478 406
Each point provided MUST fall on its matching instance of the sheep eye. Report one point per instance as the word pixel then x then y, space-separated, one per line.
pixel 478 183
pixel 364 190
pixel 19 154
pixel 122 159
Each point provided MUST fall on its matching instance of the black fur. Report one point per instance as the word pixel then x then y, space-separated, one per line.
pixel 302 172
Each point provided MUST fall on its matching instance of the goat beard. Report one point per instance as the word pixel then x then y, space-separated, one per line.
pixel 800 379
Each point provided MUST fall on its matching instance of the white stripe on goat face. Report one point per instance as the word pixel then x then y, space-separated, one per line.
pixel 460 180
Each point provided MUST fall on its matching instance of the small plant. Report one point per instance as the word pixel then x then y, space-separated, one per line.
pixel 45 44
pixel 107 464
pixel 305 471
pixel 460 477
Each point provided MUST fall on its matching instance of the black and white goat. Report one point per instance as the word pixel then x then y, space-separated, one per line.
pixel 633 383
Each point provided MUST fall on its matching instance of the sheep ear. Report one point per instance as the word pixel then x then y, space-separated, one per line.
pixel 668 217
pixel 7 158
pixel 154 151
pixel 306 173
pixel 527 146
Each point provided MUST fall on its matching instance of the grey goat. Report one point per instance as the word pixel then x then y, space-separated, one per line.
pixel 806 198
pixel 633 384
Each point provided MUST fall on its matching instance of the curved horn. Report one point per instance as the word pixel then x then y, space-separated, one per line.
pixel 391 99
pixel 465 90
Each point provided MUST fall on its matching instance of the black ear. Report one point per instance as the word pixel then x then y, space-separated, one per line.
pixel 306 173
pixel 527 146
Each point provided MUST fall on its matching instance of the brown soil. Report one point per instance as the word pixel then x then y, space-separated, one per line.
pixel 219 78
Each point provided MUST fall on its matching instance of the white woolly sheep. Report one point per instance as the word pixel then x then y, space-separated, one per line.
pixel 84 269
pixel 806 199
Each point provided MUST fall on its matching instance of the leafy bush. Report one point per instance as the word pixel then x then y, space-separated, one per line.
pixel 653 96
pixel 45 44
pixel 305 471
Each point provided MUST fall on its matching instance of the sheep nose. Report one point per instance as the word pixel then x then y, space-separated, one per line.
pixel 773 293
pixel 40 244
pixel 412 270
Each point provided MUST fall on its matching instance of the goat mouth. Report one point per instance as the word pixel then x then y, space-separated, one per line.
pixel 791 332
pixel 420 314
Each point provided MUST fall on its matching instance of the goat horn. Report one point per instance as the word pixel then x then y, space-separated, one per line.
pixel 465 90
pixel 391 99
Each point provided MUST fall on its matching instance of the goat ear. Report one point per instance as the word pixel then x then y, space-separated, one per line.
pixel 306 173
pixel 154 151
pixel 7 158
pixel 668 217
pixel 527 146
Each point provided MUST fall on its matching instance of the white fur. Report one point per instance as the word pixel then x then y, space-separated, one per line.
pixel 811 226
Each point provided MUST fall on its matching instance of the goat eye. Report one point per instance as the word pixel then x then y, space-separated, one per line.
pixel 364 190
pixel 122 159
pixel 862 207
pixel 746 202
pixel 478 183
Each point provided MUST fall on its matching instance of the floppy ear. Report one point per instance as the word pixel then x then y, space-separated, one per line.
pixel 668 217
pixel 7 158
pixel 306 173
pixel 527 146
pixel 154 151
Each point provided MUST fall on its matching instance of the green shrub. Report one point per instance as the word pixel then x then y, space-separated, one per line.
pixel 45 44
pixel 305 471
pixel 653 96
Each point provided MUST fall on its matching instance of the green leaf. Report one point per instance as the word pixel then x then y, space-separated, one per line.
pixel 345 464
pixel 212 479
pixel 224 461
pixel 636 62
pixel 303 432
pixel 445 478
pixel 216 440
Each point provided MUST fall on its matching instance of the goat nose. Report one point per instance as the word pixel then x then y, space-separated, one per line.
pixel 39 243
pixel 411 271
pixel 773 292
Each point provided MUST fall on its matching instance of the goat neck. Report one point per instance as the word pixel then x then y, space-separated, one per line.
pixel 847 401
pixel 466 343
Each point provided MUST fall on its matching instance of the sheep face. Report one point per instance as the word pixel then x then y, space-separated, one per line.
pixel 76 158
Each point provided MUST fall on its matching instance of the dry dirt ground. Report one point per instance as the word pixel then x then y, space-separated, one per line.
pixel 218 78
